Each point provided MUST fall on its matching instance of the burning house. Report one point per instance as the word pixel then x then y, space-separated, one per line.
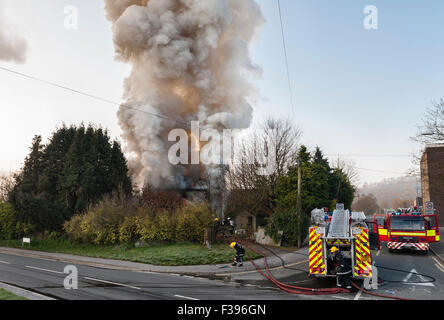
pixel 190 62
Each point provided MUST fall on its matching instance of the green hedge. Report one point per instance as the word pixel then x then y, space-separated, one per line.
pixel 289 223
pixel 111 223
pixel 10 227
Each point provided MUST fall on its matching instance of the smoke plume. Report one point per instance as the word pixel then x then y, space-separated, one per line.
pixel 190 62
pixel 12 46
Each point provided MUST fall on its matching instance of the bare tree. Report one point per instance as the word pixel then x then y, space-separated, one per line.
pixel 349 168
pixel 366 203
pixel 273 147
pixel 432 129
pixel 282 138
pixel 6 185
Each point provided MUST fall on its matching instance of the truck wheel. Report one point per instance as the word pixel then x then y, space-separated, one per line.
pixel 425 252
pixel 392 251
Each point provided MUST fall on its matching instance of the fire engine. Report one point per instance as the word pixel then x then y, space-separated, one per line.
pixel 411 228
pixel 349 232
pixel 380 225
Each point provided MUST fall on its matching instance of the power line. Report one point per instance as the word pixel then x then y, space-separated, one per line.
pixel 370 155
pixel 286 58
pixel 381 171
pixel 53 84
pixel 157 115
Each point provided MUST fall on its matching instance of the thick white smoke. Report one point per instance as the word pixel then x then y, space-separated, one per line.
pixel 12 46
pixel 190 62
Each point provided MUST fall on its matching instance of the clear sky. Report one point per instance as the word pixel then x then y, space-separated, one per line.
pixel 356 91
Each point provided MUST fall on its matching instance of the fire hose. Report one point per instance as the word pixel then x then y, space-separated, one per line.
pixel 377 294
pixel 289 288
pixel 307 291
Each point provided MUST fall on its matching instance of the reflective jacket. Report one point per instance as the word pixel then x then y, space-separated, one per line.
pixel 343 264
pixel 239 250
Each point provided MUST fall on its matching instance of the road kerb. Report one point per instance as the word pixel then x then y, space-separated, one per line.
pixel 30 295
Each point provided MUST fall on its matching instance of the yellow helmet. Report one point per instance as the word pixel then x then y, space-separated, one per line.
pixel 233 244
pixel 216 219
pixel 334 249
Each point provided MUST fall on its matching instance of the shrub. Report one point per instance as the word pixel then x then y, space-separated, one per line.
pixel 11 228
pixel 192 221
pixel 160 200
pixel 128 230
pixel 101 225
pixel 9 225
pixel 166 226
pixel 112 223
pixel 288 223
pixel 155 226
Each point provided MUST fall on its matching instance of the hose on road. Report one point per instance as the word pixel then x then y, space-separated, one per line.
pixel 310 291
pixel 377 294
pixel 286 287
pixel 432 279
pixel 282 260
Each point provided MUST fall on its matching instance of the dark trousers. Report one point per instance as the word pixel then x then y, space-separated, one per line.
pixel 239 259
pixel 343 278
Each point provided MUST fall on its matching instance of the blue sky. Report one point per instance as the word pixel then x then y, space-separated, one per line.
pixel 356 91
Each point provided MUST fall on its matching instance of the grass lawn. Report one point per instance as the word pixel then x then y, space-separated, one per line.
pixel 6 295
pixel 162 255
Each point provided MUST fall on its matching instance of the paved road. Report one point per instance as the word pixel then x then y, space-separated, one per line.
pixel 397 274
pixel 428 285
pixel 46 277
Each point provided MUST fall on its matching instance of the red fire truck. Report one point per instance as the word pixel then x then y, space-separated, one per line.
pixel 410 228
pixel 380 222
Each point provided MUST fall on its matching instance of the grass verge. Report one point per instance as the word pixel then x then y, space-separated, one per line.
pixel 162 255
pixel 6 295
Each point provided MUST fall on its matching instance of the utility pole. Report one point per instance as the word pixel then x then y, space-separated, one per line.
pixel 299 205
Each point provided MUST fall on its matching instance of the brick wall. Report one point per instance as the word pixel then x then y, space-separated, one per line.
pixel 432 178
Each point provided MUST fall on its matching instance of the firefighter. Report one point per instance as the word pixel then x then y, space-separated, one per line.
pixel 231 226
pixel 240 252
pixel 343 270
pixel 216 224
pixel 218 227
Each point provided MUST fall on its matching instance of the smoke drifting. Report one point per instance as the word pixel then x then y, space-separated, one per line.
pixel 12 46
pixel 190 62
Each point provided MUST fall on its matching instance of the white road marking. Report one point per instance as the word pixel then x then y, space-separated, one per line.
pixel 41 269
pixel 52 260
pixel 113 283
pixel 189 277
pixel 5 262
pixel 377 253
pixel 358 295
pixel 184 297
pixel 414 272
pixel 438 264
pixel 337 297
pixel 439 267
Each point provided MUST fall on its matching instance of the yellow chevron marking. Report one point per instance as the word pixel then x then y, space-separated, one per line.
pixel 366 249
